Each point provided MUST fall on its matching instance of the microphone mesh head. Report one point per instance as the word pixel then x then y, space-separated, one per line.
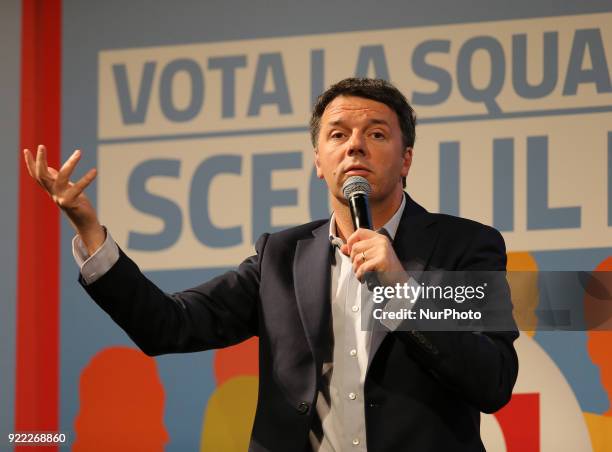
pixel 356 185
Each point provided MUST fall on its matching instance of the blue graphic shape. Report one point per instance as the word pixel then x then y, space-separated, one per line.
pixel 569 348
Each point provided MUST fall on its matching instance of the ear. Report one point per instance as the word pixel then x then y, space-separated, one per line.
pixel 406 161
pixel 317 163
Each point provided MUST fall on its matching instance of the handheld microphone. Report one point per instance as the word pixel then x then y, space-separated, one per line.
pixel 356 190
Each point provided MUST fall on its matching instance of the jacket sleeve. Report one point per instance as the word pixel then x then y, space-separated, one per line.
pixel 218 313
pixel 481 367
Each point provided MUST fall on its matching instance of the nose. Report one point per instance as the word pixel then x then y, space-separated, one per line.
pixel 356 145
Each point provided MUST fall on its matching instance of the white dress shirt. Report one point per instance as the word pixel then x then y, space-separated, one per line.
pixel 340 402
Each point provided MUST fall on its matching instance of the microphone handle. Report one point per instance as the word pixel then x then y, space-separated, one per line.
pixel 360 211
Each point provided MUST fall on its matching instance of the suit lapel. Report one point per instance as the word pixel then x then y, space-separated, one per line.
pixel 415 237
pixel 311 273
pixel 414 242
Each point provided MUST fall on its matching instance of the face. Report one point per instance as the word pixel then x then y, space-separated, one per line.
pixel 362 137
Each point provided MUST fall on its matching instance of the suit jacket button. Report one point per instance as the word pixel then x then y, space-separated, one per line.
pixel 303 408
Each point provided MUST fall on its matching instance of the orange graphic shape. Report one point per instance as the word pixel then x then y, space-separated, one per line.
pixel 238 360
pixel 121 404
pixel 598 313
pixel 599 347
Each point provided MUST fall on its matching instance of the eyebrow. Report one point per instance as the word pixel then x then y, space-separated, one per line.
pixel 373 121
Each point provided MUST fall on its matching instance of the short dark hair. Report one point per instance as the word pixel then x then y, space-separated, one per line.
pixel 370 88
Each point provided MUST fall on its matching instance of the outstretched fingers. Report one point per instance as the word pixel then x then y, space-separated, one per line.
pixel 77 188
pixel 63 176
pixel 30 163
pixel 41 164
pixel 57 183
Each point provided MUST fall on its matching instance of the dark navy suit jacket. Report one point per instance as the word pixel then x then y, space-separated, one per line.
pixel 424 391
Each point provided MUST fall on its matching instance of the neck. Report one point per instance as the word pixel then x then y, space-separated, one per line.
pixel 381 211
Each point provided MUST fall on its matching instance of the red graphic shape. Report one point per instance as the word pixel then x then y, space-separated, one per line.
pixel 520 423
pixel 37 351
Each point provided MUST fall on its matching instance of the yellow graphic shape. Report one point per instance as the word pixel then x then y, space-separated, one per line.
pixel 229 416
pixel 523 280
pixel 600 429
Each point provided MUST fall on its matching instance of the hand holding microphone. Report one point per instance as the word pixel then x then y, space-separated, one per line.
pixel 369 251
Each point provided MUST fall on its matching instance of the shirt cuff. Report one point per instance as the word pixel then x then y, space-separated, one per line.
pixel 95 266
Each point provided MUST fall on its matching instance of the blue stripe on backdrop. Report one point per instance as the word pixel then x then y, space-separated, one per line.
pixel 10 55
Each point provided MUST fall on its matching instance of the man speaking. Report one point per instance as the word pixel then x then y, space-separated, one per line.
pixel 324 383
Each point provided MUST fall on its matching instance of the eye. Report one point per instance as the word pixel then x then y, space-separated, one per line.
pixel 378 135
pixel 336 135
